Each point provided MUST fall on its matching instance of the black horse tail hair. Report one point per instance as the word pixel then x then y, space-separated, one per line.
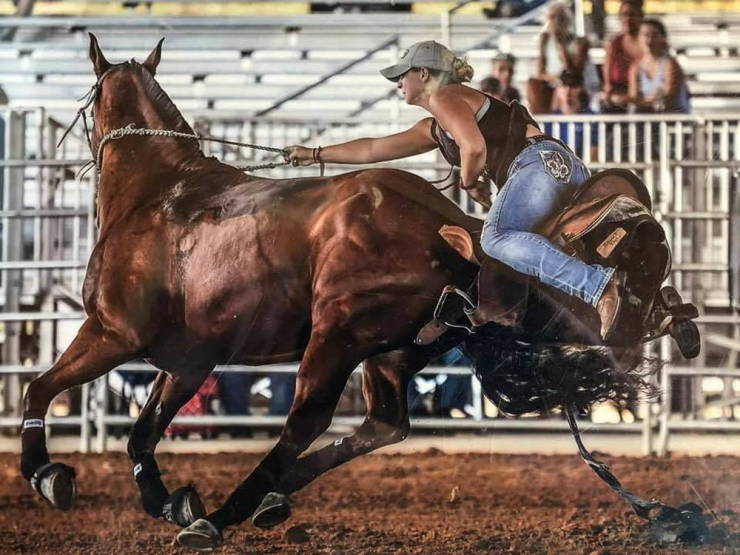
pixel 537 379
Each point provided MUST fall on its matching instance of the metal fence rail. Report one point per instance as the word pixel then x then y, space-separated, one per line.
pixel 689 163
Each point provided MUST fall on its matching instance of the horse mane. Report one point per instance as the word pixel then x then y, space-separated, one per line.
pixel 166 108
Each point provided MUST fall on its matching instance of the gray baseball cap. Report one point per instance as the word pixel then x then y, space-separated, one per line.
pixel 427 53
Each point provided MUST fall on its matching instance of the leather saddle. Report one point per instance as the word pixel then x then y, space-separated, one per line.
pixel 609 222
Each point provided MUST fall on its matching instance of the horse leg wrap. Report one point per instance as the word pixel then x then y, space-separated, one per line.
pixel 33 440
pixel 274 509
pixel 183 507
pixel 55 482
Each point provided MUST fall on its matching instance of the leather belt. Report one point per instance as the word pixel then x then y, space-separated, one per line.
pixel 540 138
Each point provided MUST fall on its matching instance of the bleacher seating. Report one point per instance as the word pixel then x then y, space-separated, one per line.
pixel 246 64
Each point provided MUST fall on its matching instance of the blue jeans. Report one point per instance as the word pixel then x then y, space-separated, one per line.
pixel 541 181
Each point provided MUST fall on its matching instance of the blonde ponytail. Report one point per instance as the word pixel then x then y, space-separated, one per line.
pixel 462 71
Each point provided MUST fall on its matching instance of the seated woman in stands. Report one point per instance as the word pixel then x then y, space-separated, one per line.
pixel 485 137
pixel 657 82
pixel 560 50
pixel 622 51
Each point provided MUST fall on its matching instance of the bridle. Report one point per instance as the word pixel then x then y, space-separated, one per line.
pixel 92 95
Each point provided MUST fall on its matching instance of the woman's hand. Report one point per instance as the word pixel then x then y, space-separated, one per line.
pixel 480 192
pixel 298 155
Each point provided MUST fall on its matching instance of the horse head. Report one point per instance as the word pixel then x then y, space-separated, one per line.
pixel 126 95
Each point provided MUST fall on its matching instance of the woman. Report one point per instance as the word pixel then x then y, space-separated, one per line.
pixel 657 82
pixel 537 175
pixel 621 53
pixel 559 50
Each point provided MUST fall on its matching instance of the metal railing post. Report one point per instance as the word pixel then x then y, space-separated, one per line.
pixel 647 422
pixel 666 398
pixel 101 412
pixel 12 238
pixel 85 435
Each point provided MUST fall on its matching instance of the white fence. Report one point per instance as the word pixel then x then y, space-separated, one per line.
pixel 689 163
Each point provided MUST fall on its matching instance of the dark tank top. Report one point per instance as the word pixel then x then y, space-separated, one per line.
pixel 504 128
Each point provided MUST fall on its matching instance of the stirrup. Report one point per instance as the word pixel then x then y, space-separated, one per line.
pixel 447 313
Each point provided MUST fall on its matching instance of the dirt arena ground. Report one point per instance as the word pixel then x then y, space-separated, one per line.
pixel 424 503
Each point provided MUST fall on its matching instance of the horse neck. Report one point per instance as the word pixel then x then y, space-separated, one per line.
pixel 139 169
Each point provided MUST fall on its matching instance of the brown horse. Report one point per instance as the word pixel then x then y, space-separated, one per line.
pixel 198 264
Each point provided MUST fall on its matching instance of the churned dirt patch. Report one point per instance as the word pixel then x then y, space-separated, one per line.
pixel 423 503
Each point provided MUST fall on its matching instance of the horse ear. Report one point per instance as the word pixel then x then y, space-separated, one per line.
pixel 152 60
pixel 100 64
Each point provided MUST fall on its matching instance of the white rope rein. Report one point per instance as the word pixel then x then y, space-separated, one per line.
pixel 132 130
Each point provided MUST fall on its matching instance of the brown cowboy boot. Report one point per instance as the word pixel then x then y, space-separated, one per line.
pixel 610 304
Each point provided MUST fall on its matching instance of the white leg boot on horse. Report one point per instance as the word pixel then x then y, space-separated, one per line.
pixel 94 352
pixel 169 394
pixel 326 366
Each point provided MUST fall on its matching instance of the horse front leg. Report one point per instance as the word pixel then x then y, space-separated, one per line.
pixel 91 354
pixel 169 393
pixel 385 380
pixel 321 378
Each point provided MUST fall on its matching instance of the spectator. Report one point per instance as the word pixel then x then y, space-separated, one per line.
pixel 560 49
pixel 622 51
pixel 234 391
pixel 571 98
pixel 502 69
pixel 492 86
pixel 452 395
pixel 657 82
pixel 454 392
pixel 282 387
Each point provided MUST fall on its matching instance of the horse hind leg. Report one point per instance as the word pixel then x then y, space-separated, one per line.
pixel 384 383
pixel 169 393
pixel 94 352
pixel 326 365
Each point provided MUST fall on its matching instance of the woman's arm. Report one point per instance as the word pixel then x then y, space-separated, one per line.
pixel 634 93
pixel 542 58
pixel 456 116
pixel 674 81
pixel 413 141
pixel 579 59
pixel 606 68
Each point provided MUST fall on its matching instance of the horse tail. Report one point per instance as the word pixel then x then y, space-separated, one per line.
pixel 525 378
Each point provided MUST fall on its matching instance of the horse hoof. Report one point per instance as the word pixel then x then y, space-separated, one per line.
pixel 183 507
pixel 274 509
pixel 56 483
pixel 201 535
